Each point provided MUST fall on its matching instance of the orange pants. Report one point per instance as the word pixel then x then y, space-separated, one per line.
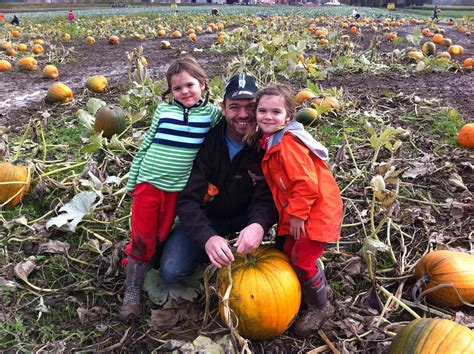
pixel 153 214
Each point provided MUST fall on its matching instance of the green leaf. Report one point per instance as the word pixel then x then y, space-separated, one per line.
pixel 159 291
pixel 86 119
pixel 94 104
pixel 95 144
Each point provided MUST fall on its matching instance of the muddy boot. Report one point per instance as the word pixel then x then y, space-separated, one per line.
pixel 135 275
pixel 315 294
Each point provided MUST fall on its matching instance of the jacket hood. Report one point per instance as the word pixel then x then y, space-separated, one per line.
pixel 297 130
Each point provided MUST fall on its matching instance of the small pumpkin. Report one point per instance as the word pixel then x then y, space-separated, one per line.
pixel 416 55
pixel 37 49
pixel 110 120
pixel 161 33
pixel 114 40
pixel 10 52
pixel 221 38
pixel 391 36
pixel 28 63
pixel 176 34
pixel 325 101
pixel 450 268
pixel 429 48
pixel 466 135
pixel 165 45
pixel 50 72
pixel 13 192
pixel 468 62
pixel 307 116
pixel 438 38
pixel 90 40
pixel 66 37
pixel 444 55
pixel 22 47
pixel 265 295
pixel 59 93
pixel 434 336
pixel 15 34
pixel 303 96
pixel 456 50
pixel 193 36
pixel 97 84
pixel 5 65
pixel 38 41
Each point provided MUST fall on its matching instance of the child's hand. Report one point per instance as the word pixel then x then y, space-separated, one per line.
pixel 297 227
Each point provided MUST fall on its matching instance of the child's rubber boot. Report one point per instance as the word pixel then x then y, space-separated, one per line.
pixel 132 307
pixel 315 294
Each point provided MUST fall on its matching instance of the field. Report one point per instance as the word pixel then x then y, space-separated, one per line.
pixel 406 183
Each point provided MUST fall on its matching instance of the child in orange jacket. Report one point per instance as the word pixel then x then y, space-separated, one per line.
pixel 304 191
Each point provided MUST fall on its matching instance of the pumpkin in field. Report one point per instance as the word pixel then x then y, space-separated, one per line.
pixel 306 115
pixel 466 135
pixel 265 295
pixel 443 55
pixel 434 336
pixel 22 47
pixel 59 93
pixel 429 48
pixel 13 193
pixel 325 101
pixel 192 36
pixel 5 65
pixel 303 96
pixel 66 37
pixel 28 63
pixel 438 38
pixel 165 45
pixel 391 36
pixel 114 40
pixel 97 84
pixel 176 34
pixel 221 38
pixel 15 34
pixel 10 52
pixel 37 49
pixel 90 40
pixel 468 62
pixel 110 120
pixel 416 55
pixel 38 41
pixel 161 33
pixel 452 269
pixel 50 72
pixel 456 50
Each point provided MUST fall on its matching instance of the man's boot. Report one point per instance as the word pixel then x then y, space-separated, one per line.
pixel 134 276
pixel 315 294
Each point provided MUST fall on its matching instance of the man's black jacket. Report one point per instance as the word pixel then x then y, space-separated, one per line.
pixel 242 188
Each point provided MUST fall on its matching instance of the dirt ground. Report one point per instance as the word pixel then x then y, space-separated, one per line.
pixel 22 93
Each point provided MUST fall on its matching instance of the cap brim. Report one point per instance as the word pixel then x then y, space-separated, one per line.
pixel 241 96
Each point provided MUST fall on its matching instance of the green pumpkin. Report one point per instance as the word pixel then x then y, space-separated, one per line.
pixel 306 116
pixel 110 120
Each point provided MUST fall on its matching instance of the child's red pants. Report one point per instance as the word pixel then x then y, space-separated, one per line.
pixel 153 214
pixel 303 254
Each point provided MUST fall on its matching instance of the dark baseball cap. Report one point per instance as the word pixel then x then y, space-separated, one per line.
pixel 240 87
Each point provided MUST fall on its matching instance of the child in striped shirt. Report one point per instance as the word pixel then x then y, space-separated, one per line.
pixel 161 169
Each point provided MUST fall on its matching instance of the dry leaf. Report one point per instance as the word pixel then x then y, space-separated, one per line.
pixel 54 246
pixel 23 269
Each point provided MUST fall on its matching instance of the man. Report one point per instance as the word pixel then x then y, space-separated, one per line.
pixel 243 203
pixel 15 21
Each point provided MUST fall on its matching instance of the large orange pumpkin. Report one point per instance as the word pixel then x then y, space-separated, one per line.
pixel 265 295
pixel 455 49
pixel 50 72
pixel 114 40
pixel 28 63
pixel 466 136
pixel 14 183
pixel 303 96
pixel 434 336
pixel 450 268
pixel 59 93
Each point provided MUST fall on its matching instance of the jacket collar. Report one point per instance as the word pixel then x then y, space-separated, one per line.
pixel 179 104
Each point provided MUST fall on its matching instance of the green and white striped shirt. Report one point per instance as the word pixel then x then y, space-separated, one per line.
pixel 167 153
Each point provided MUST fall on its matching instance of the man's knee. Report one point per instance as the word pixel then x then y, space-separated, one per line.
pixel 170 274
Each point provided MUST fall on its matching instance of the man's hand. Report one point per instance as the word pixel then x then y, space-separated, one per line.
pixel 249 238
pixel 297 227
pixel 219 252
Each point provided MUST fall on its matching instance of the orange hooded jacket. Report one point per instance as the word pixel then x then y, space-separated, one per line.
pixel 303 186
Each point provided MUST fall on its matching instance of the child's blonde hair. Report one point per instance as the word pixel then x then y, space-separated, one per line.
pixel 192 67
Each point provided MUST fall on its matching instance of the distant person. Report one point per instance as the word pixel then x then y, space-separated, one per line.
pixel 174 7
pixel 2 17
pixel 215 12
pixel 435 13
pixel 70 16
pixel 15 21
pixel 355 14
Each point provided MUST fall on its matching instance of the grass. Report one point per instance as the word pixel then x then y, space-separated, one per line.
pixel 445 127
pixel 444 14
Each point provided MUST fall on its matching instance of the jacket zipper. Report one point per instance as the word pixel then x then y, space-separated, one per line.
pixel 186 116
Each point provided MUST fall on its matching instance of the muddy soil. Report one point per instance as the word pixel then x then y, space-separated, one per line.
pixel 22 93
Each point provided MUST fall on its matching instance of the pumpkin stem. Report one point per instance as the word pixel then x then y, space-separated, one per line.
pixel 251 259
pixel 415 293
